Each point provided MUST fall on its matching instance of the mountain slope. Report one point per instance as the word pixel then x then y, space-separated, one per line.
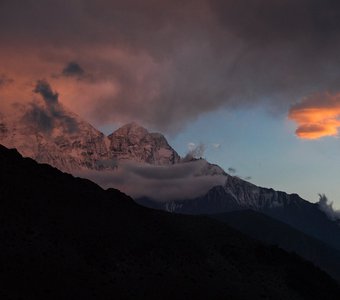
pixel 63 237
pixel 69 143
pixel 273 232
pixel 64 140
pixel 237 194
pixel 133 142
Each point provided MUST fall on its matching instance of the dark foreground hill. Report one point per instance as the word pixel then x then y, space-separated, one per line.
pixel 274 232
pixel 66 238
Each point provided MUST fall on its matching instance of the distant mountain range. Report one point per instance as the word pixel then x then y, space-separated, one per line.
pixel 66 238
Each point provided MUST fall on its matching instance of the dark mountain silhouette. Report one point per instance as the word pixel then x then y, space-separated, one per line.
pixel 238 194
pixel 273 232
pixel 66 238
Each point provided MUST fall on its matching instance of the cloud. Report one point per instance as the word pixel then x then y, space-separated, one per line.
pixel 44 89
pixel 327 207
pixel 191 146
pixel 216 146
pixel 181 181
pixel 232 170
pixel 165 63
pixel 50 114
pixel 73 69
pixel 317 116
pixel 195 151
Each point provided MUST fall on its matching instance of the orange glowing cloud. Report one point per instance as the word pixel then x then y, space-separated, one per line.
pixel 315 120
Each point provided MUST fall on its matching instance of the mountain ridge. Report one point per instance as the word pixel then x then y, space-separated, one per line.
pixel 288 208
pixel 71 143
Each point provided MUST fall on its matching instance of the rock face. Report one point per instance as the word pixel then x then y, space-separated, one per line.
pixel 72 144
pixel 133 142
pixel 83 147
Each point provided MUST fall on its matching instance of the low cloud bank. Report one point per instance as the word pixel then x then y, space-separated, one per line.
pixel 165 183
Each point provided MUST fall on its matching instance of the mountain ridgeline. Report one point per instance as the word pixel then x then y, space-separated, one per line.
pixel 63 237
pixel 238 194
pixel 74 144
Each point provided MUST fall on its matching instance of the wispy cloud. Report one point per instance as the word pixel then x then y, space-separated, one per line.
pixel 327 207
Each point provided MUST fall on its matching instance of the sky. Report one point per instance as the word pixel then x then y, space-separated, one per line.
pixel 256 82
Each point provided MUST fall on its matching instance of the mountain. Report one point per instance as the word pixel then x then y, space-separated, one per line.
pixel 237 194
pixel 134 143
pixel 52 134
pixel 63 237
pixel 68 144
pixel 65 141
pixel 273 232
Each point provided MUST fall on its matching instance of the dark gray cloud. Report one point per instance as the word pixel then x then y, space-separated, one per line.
pixel 232 170
pixel 44 89
pixel 73 69
pixel 50 115
pixel 179 59
pixel 279 20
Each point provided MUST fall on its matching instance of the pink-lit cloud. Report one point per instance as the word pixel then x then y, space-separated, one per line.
pixel 317 116
pixel 164 63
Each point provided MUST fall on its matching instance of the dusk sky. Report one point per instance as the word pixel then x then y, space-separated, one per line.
pixel 256 82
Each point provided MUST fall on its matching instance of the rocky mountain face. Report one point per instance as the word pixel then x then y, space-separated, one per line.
pixel 66 148
pixel 72 144
pixel 66 238
pixel 133 142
